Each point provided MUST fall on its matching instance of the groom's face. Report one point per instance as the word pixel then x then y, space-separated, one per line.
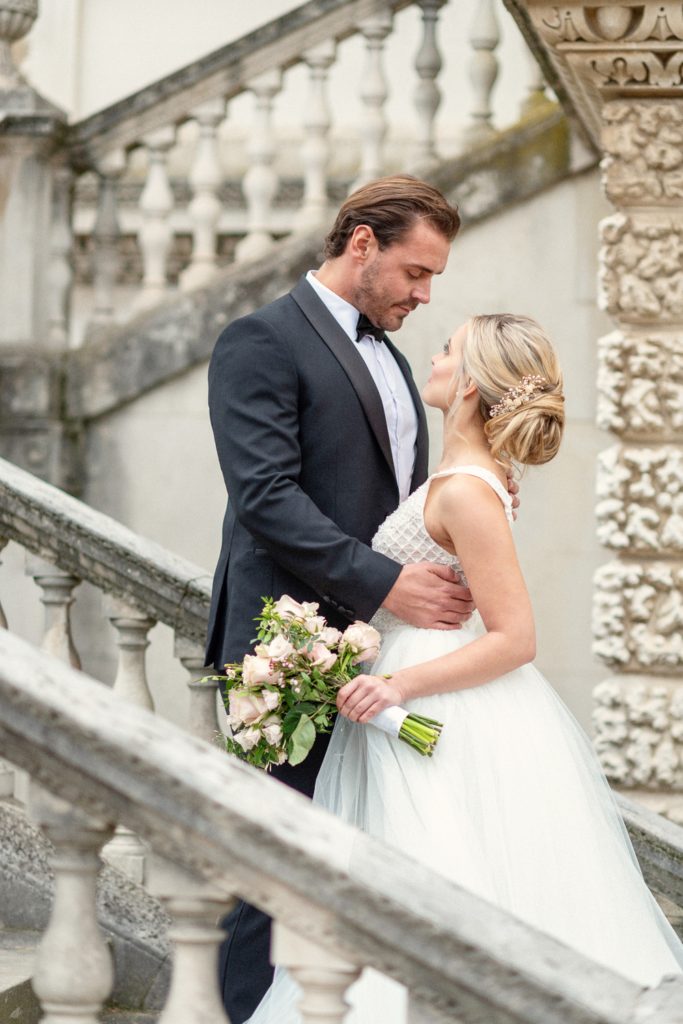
pixel 394 281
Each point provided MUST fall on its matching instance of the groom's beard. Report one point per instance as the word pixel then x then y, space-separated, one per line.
pixel 377 302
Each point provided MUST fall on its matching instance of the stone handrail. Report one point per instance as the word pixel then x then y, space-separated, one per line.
pixel 245 834
pixel 92 546
pixel 224 72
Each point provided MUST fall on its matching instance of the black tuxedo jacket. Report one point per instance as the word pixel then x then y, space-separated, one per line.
pixel 304 449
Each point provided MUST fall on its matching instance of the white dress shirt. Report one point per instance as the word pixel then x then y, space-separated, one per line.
pixel 399 409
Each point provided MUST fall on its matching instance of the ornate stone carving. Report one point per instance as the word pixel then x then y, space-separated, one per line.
pixel 641 272
pixel 640 499
pixel 640 384
pixel 638 616
pixel 643 144
pixel 16 19
pixel 639 732
pixel 638 23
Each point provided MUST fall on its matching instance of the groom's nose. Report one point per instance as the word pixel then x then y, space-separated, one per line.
pixel 422 291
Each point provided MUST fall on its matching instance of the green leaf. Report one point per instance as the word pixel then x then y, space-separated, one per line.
pixel 301 740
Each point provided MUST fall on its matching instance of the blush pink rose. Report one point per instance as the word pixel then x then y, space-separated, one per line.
pixel 257 670
pixel 288 608
pixel 321 657
pixel 363 639
pixel 245 707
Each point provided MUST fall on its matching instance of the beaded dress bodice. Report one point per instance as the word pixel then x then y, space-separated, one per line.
pixel 403 535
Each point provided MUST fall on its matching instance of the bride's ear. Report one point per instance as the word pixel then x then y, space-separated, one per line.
pixel 468 388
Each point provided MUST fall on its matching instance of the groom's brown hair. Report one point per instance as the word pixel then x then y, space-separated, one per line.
pixel 390 206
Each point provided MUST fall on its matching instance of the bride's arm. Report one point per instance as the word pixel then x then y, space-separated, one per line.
pixel 469 513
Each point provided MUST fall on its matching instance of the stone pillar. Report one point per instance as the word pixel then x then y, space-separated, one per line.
pixel 621 66
pixel 29 127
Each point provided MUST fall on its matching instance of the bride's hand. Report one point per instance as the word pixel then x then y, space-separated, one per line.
pixel 513 491
pixel 365 696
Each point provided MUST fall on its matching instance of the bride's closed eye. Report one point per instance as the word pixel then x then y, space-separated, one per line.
pixel 447 347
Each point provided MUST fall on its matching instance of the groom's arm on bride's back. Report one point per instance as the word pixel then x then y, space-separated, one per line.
pixel 254 395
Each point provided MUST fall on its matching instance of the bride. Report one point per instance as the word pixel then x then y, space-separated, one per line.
pixel 513 805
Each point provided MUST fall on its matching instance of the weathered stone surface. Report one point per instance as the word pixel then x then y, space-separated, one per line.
pixel 233 825
pixel 96 548
pixel 132 919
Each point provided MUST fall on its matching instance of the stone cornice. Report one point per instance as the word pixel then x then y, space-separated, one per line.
pixel 603 50
pixel 94 547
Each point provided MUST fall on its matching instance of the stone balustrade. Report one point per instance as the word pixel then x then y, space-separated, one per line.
pixel 140 194
pixel 224 829
pixel 68 542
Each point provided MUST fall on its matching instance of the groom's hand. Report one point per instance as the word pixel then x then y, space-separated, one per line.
pixel 429 596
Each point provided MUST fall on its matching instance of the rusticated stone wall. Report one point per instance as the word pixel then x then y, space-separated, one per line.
pixel 622 62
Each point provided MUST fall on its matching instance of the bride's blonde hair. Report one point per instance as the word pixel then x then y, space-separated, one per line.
pixel 499 352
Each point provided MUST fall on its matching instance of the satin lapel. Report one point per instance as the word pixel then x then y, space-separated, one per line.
pixel 422 445
pixel 350 360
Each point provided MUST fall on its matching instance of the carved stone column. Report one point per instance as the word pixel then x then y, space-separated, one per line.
pixel 622 65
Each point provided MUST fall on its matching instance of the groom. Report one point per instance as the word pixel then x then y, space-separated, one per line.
pixel 320 433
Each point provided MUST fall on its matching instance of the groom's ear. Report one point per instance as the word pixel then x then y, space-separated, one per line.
pixel 362 242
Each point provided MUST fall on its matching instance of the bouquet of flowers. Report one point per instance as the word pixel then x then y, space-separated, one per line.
pixel 281 696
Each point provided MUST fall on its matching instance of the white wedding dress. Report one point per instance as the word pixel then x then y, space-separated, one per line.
pixel 513 805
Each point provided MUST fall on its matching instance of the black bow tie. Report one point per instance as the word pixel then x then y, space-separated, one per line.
pixel 364 327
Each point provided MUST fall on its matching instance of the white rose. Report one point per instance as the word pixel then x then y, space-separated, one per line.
pixel 270 698
pixel 315 624
pixel 279 649
pixel 248 738
pixel 330 635
pixel 363 639
pixel 272 730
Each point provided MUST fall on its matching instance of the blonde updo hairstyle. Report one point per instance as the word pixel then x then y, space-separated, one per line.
pixel 499 351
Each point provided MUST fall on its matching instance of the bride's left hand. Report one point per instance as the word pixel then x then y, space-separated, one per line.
pixel 365 696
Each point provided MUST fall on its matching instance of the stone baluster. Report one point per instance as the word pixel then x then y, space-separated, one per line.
pixel 202 720
pixel 16 21
pixel 126 851
pixel 204 209
pixel 535 99
pixel 323 977
pixel 57 589
pixel 195 908
pixel 261 180
pixel 373 94
pixel 106 235
pixel 483 71
pixel 60 266
pixel 74 971
pixel 427 94
pixel 315 208
pixel 156 204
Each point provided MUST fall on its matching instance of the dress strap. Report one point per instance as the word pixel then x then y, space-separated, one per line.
pixel 487 476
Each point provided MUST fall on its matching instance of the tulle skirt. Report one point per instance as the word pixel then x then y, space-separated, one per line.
pixel 513 806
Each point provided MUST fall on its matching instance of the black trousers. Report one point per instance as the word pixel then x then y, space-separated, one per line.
pixel 244 967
